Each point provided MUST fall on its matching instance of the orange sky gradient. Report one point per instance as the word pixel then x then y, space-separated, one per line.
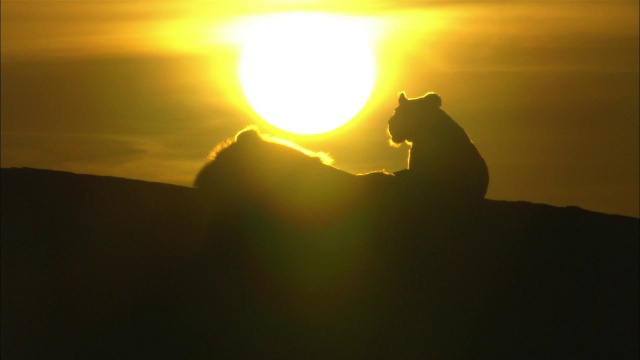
pixel 548 91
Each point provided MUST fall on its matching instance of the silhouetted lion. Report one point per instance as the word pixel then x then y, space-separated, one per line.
pixel 286 181
pixel 442 157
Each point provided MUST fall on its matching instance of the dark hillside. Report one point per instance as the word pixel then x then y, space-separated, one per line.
pixel 101 267
pixel 86 258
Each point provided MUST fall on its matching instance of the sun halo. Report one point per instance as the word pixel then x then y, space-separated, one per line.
pixel 306 73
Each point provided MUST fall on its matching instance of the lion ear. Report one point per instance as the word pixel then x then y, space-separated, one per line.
pixel 432 100
pixel 402 98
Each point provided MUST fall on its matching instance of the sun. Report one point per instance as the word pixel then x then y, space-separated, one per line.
pixel 306 73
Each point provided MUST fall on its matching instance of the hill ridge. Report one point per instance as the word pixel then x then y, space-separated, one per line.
pixel 109 267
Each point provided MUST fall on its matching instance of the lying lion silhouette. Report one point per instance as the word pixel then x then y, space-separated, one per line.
pixel 288 182
pixel 442 157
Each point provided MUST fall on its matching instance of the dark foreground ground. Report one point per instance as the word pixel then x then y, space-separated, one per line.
pixel 101 267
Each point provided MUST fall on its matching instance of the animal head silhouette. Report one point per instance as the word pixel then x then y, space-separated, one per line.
pixel 414 116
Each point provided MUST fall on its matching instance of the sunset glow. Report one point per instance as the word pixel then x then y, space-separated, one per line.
pixel 144 90
pixel 306 73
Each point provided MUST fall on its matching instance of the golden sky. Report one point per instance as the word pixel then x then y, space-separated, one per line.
pixel 548 90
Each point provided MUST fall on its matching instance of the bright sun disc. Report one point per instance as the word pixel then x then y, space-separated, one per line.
pixel 306 73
